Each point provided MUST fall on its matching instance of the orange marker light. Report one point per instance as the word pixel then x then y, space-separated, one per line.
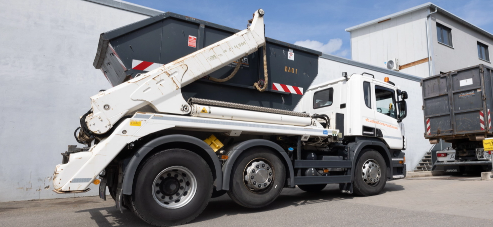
pixel 223 157
pixel 386 79
pixel 96 182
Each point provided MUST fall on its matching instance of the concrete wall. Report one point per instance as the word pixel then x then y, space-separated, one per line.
pixel 417 146
pixel 46 79
pixel 464 51
pixel 402 37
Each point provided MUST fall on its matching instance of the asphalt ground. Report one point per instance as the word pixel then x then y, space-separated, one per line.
pixel 435 201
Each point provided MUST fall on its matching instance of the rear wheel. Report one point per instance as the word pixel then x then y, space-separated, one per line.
pixel 370 174
pixel 312 188
pixel 257 178
pixel 173 187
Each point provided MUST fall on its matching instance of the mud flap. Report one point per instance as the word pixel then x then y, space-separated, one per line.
pixel 119 199
pixel 102 189
pixel 346 188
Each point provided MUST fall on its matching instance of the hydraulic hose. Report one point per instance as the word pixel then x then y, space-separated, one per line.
pixel 230 76
pixel 323 117
pixel 266 78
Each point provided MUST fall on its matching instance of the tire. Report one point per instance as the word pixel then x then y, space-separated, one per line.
pixel 263 162
pixel 172 188
pixel 370 183
pixel 312 188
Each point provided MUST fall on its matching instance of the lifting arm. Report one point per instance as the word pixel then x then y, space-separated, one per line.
pixel 161 88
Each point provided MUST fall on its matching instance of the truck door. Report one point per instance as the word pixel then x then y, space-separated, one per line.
pixel 386 117
pixel 367 112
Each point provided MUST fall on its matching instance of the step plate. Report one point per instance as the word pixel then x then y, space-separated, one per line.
pixel 321 180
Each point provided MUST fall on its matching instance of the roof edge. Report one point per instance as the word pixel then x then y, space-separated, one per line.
pixel 127 6
pixel 371 67
pixel 394 15
pixel 419 7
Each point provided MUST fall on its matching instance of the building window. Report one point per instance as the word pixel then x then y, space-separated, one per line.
pixel 367 93
pixel 444 35
pixel 323 98
pixel 483 53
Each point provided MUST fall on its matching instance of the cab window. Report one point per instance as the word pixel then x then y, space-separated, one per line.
pixel 323 98
pixel 385 101
pixel 367 93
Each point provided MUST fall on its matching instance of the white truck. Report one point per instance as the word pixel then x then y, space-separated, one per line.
pixel 164 157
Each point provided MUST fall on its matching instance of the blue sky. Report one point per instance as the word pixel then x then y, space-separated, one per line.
pixel 316 24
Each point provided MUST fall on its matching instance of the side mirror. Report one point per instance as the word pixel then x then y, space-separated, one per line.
pixel 404 95
pixel 402 106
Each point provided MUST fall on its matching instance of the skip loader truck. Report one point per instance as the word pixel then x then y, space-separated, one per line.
pixel 183 123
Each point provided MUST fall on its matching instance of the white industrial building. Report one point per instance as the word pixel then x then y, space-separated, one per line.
pixel 47 78
pixel 425 40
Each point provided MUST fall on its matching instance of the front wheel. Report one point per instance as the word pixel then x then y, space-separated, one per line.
pixel 173 187
pixel 370 174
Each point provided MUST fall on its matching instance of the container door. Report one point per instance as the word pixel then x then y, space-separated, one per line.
pixel 437 114
pixel 467 97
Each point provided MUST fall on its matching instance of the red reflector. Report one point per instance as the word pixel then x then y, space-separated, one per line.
pixel 441 154
pixel 490 152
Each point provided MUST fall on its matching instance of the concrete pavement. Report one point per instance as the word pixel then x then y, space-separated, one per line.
pixel 438 201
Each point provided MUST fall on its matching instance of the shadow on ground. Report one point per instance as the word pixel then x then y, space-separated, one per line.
pixel 224 206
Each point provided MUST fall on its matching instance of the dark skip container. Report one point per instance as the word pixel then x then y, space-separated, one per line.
pixel 165 38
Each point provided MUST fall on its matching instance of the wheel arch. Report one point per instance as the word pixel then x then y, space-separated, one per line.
pixel 238 149
pixel 377 145
pixel 171 141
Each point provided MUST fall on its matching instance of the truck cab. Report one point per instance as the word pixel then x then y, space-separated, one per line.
pixel 362 106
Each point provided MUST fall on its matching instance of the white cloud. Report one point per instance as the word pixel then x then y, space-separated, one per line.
pixel 330 47
pixel 342 53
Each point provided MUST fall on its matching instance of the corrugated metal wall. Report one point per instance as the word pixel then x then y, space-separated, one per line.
pixel 403 37
pixel 464 52
pixel 46 79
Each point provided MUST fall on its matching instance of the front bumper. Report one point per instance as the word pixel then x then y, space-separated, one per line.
pixel 453 167
pixel 398 168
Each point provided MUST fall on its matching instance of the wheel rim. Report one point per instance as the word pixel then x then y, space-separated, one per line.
pixel 174 187
pixel 258 175
pixel 371 173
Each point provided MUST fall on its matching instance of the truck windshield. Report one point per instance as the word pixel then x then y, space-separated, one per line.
pixel 385 101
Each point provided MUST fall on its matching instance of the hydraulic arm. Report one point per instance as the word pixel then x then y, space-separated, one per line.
pixel 161 88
